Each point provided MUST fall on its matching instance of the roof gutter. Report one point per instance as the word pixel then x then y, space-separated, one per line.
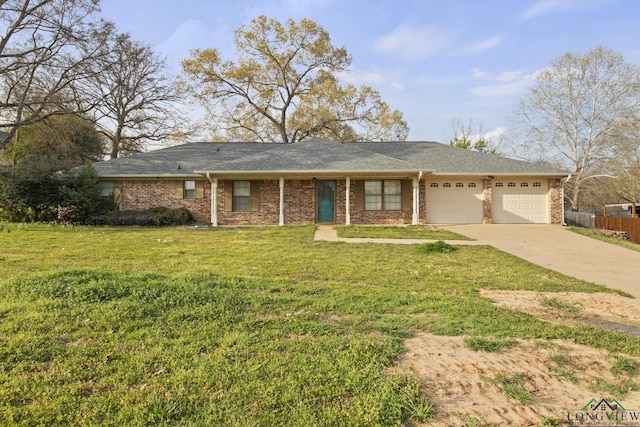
pixel 310 172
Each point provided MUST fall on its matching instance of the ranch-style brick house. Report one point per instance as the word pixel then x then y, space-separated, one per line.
pixel 320 181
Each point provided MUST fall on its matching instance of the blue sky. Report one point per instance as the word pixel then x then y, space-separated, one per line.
pixel 434 60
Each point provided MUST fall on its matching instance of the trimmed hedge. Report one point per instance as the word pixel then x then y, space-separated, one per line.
pixel 159 216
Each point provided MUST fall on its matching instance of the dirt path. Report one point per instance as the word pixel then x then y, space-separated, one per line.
pixel 559 377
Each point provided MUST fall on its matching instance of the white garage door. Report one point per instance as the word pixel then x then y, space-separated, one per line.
pixel 519 201
pixel 454 201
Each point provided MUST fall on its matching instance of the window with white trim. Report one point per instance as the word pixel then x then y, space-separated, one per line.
pixel 537 184
pixel 511 184
pixel 383 195
pixel 459 185
pixel 189 190
pixel 107 188
pixel 524 184
pixel 241 196
pixel 499 184
pixel 446 185
pixel 472 185
pixel 434 185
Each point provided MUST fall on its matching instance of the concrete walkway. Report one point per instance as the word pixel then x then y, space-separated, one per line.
pixel 550 246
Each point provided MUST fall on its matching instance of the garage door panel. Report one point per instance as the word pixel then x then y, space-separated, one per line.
pixel 524 202
pixel 451 204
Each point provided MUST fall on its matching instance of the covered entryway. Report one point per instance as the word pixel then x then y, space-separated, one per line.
pixel 454 201
pixel 519 201
pixel 325 201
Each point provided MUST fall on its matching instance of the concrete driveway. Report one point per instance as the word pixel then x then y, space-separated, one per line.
pixel 556 248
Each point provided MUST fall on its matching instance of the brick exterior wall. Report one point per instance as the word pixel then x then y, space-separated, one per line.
pixel 555 201
pixel 487 215
pixel 404 216
pixel 145 194
pixel 299 202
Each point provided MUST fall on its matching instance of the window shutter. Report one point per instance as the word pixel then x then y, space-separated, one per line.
pixel 255 196
pixel 227 188
pixel 407 194
pixel 200 189
pixel 357 187
pixel 117 193
pixel 178 192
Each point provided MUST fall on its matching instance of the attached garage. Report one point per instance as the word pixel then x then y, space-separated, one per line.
pixel 519 201
pixel 454 201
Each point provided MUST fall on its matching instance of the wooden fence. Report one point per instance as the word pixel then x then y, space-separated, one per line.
pixel 581 219
pixel 630 225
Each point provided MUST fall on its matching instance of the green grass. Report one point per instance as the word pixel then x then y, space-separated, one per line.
pixel 615 389
pixel 489 345
pixel 474 422
pixel 624 366
pixel 425 232
pixel 514 387
pixel 559 305
pixel 562 366
pixel 434 247
pixel 256 326
pixel 589 232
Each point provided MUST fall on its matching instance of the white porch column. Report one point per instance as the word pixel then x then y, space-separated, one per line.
pixel 347 215
pixel 281 221
pixel 214 202
pixel 416 201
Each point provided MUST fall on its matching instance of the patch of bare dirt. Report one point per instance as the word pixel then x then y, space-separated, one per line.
pixel 579 307
pixel 558 375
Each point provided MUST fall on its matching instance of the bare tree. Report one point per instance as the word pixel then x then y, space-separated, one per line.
pixel 624 167
pixel 469 134
pixel 138 100
pixel 282 88
pixel 44 45
pixel 574 110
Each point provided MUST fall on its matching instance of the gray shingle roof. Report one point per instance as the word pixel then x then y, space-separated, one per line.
pixel 315 155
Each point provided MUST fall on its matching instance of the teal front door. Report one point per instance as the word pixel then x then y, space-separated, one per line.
pixel 326 201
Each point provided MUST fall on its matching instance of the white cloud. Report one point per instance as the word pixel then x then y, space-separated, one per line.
pixel 498 91
pixel 479 74
pixel 541 7
pixel 508 83
pixel 480 47
pixel 396 86
pixel 495 135
pixel 357 79
pixel 360 78
pixel 414 43
pixel 508 76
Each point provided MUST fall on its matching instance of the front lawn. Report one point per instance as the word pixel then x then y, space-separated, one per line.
pixel 259 326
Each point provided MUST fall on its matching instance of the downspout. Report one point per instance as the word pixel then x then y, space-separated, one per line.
pixel 281 216
pixel 347 215
pixel 214 199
